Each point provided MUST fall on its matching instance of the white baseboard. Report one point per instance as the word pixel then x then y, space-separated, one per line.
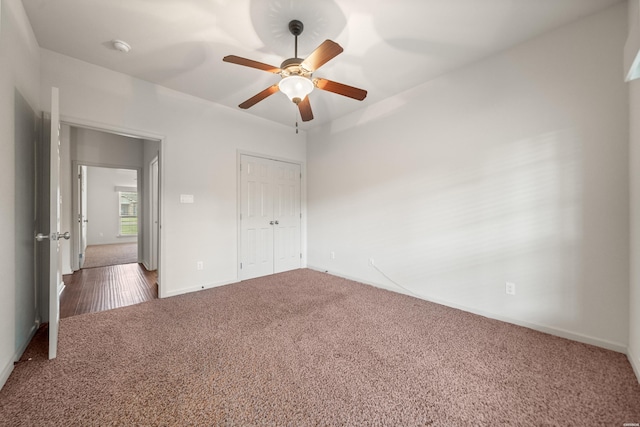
pixel 574 336
pixel 198 288
pixel 24 346
pixel 635 363
pixel 6 372
pixel 8 369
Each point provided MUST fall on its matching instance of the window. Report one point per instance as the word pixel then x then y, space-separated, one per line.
pixel 128 213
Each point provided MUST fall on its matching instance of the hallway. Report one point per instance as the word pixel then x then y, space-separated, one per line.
pixel 104 288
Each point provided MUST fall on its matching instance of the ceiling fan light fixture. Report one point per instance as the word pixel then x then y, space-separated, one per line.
pixel 296 88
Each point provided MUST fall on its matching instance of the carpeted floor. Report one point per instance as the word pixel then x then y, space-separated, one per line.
pixel 113 254
pixel 306 348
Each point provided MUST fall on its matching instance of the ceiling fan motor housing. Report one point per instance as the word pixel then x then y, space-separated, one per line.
pixel 293 67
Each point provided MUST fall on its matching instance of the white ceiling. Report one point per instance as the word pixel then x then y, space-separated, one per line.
pixel 389 46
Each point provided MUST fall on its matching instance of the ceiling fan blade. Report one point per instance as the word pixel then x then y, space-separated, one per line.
pixel 305 109
pixel 341 89
pixel 251 63
pixel 323 54
pixel 259 97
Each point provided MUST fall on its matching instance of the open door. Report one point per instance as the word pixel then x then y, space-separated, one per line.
pixel 154 214
pixel 82 214
pixel 55 285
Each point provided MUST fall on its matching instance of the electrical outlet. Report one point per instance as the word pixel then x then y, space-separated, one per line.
pixel 510 288
pixel 372 262
pixel 200 265
pixel 333 255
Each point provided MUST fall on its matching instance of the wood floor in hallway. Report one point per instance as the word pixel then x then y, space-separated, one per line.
pixel 103 288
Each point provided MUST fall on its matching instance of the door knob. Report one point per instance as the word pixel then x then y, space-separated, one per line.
pixel 54 236
pixel 270 222
pixel 277 223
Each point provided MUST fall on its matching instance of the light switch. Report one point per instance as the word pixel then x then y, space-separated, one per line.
pixel 186 198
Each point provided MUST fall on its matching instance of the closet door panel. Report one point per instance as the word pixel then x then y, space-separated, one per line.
pixel 256 211
pixel 287 214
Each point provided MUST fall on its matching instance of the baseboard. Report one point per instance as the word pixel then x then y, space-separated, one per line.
pixel 197 288
pixel 6 373
pixel 24 346
pixel 8 369
pixel 635 363
pixel 586 339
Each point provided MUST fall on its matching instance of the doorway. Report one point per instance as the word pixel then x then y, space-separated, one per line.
pixel 270 216
pixel 110 262
pixel 110 198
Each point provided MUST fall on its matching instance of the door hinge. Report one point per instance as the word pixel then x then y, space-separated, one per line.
pixel 300 255
pixel 240 217
pixel 240 167
pixel 300 215
pixel 240 266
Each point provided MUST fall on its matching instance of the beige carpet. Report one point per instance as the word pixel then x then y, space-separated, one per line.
pixel 114 254
pixel 304 348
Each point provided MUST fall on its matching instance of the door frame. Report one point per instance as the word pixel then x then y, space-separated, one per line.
pixel 154 181
pixel 134 133
pixel 75 165
pixel 81 206
pixel 303 204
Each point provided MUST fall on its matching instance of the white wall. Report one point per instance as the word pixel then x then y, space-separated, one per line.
pixel 511 169
pixel 19 70
pixel 102 204
pixel 634 168
pixel 97 148
pixel 199 157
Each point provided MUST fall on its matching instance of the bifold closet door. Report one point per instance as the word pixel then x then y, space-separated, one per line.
pixel 269 216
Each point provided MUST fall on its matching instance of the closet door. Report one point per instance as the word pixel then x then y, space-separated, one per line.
pixel 286 211
pixel 256 217
pixel 270 217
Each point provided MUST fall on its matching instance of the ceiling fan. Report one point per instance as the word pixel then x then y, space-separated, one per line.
pixel 297 81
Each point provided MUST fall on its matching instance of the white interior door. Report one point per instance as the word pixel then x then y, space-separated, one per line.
pixel 287 214
pixel 55 284
pixel 269 216
pixel 82 216
pixel 256 216
pixel 154 213
pixel 55 275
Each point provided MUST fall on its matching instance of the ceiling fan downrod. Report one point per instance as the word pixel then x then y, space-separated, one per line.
pixel 296 27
